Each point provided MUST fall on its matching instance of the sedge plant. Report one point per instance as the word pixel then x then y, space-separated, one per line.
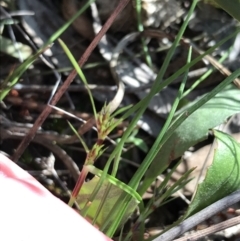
pixel 152 160
pixel 109 202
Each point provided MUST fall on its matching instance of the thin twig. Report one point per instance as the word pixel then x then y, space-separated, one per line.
pixel 199 217
pixel 210 230
pixel 17 14
pixel 221 68
pixel 56 150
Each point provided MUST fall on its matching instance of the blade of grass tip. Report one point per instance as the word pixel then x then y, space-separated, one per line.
pixel 121 110
pixel 79 137
pixel 177 185
pixel 204 76
pixel 80 73
pixel 57 34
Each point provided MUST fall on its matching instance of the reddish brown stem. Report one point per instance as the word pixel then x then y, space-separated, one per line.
pixel 80 182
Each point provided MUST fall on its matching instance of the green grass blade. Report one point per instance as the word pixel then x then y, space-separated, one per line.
pixel 158 143
pixel 58 33
pixel 144 104
pixel 80 73
pixel 79 137
pixel 141 29
pixel 204 76
pixel 152 174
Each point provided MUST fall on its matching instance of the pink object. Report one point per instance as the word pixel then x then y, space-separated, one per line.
pixel 29 212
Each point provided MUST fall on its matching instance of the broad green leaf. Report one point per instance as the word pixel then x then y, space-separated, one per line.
pixel 140 143
pixel 223 176
pixel 195 128
pixel 116 190
pixel 232 7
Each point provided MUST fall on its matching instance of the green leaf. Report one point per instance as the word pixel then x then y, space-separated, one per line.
pixel 195 128
pixel 223 176
pixel 140 143
pixel 232 7
pixel 116 190
pixel 14 49
pixel 80 73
